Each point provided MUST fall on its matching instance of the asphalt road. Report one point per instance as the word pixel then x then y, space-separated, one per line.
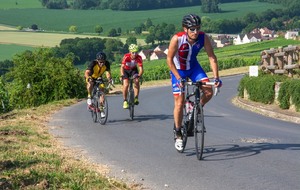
pixel 244 150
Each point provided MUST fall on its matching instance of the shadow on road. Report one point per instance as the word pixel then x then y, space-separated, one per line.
pixel 140 118
pixel 235 151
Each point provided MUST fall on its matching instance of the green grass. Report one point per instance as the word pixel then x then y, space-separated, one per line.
pixel 86 20
pixel 32 159
pixel 20 4
pixel 253 49
pixel 7 51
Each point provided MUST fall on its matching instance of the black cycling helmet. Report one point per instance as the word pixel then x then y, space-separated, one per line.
pixel 191 20
pixel 101 56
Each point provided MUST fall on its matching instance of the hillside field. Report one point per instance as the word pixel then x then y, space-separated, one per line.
pixel 86 20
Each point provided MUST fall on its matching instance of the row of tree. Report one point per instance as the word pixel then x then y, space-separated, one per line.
pixel 117 4
pixel 126 5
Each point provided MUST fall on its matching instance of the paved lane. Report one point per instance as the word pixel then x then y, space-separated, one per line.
pixel 243 150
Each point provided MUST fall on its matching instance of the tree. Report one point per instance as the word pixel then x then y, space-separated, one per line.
pixel 112 32
pixel 85 4
pixel 138 30
pixel 210 6
pixel 148 23
pixel 73 28
pixel 5 66
pixel 131 40
pixel 150 39
pixel 98 29
pixel 34 27
pixel 119 30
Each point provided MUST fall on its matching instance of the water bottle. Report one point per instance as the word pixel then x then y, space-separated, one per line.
pixel 189 108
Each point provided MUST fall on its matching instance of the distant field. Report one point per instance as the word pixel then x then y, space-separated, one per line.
pixel 20 4
pixel 37 39
pixel 12 42
pixel 7 51
pixel 86 20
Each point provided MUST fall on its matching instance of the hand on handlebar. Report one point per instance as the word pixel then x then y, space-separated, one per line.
pixel 111 81
pixel 136 76
pixel 180 82
pixel 218 82
pixel 88 79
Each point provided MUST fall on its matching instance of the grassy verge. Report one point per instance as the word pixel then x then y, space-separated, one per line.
pixel 30 158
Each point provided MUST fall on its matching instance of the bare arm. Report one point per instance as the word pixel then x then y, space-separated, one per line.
pixel 122 70
pixel 108 75
pixel 211 56
pixel 173 48
pixel 141 70
pixel 87 74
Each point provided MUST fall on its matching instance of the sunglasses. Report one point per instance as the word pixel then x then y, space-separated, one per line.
pixel 100 61
pixel 134 53
pixel 194 29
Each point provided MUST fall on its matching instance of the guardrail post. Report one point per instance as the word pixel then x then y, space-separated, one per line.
pixel 290 66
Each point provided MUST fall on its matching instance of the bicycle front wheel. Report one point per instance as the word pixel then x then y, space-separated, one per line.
pixel 199 130
pixel 103 108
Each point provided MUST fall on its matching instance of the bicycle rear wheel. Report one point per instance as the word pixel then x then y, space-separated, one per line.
pixel 199 130
pixel 93 110
pixel 184 129
pixel 131 104
pixel 103 112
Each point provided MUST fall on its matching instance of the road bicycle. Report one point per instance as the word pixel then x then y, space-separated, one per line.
pixel 193 117
pixel 100 110
pixel 130 95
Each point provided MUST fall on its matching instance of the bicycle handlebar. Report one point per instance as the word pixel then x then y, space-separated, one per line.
pixel 200 83
pixel 100 80
pixel 132 78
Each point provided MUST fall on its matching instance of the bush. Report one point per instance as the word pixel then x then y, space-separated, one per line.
pixel 289 91
pixel 4 100
pixel 261 88
pixel 38 78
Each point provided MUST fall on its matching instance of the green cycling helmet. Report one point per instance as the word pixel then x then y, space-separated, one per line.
pixel 133 48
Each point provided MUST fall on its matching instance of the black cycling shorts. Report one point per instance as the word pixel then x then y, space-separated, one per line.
pixel 129 73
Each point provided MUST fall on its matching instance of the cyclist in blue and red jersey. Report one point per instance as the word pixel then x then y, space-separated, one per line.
pixel 182 61
pixel 132 65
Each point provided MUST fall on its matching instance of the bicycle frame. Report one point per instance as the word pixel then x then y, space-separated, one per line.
pixel 99 109
pixel 130 98
pixel 195 120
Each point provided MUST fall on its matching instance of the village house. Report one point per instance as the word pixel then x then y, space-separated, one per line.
pixel 291 34
pixel 145 54
pixel 158 55
pixel 222 40
pixel 162 48
pixel 247 38
pixel 265 33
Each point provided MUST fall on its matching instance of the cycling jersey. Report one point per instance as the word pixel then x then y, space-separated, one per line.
pixel 186 56
pixel 96 71
pixel 129 64
pixel 186 62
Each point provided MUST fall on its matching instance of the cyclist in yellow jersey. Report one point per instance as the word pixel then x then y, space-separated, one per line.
pixel 95 70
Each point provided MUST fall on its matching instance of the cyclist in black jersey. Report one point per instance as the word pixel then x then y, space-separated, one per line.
pixel 96 69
